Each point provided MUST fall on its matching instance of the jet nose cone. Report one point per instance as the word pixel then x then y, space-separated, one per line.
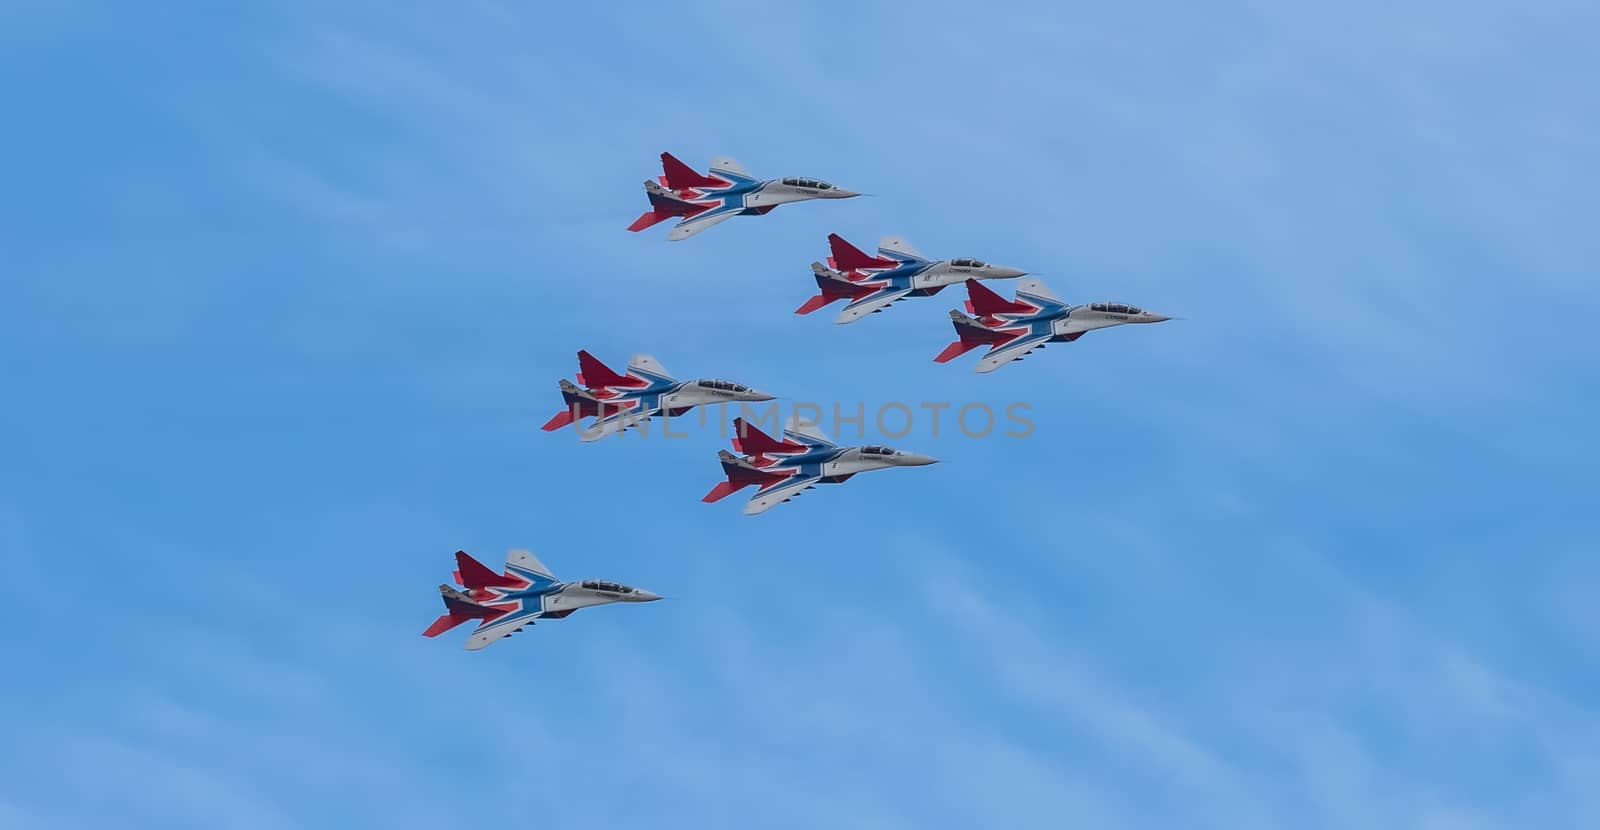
pixel 642 595
pixel 756 395
pixel 911 459
pixel 1005 272
pixel 841 193
pixel 1152 317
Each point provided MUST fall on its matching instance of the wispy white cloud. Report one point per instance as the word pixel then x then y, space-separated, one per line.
pixel 1141 626
pixel 1287 734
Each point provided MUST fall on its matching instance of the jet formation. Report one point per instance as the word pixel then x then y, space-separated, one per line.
pixel 505 603
pixel 604 402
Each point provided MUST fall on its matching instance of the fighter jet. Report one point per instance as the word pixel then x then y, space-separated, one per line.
pixel 505 603
pixel 872 283
pixel 1011 329
pixel 803 459
pixel 618 402
pixel 700 201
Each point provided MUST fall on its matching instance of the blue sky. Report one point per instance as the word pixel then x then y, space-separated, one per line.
pixel 288 289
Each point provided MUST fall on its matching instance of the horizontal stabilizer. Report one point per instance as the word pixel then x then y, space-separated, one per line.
pixel 561 419
pixel 580 404
pixel 817 301
pixel 666 203
pixel 834 287
pixel 954 350
pixel 460 605
pixel 971 334
pixel 444 623
pixel 663 206
pixel 458 609
pixel 724 490
pixel 741 474
pixel 648 219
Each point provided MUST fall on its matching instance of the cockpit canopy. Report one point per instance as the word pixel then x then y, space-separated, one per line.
pixel 815 184
pixel 876 450
pixel 1115 308
pixel 723 385
pixel 968 263
pixel 610 587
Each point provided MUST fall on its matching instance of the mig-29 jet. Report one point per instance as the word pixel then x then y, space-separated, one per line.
pixel 504 603
pixel 646 390
pixel 700 201
pixel 1012 328
pixel 803 459
pixel 872 283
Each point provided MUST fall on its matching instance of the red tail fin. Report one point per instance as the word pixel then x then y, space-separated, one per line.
pixel 593 373
pixel 580 404
pixel 740 475
pixel 834 287
pixel 971 334
pixel 664 206
pixel 752 441
pixel 458 610
pixel 985 303
pixel 581 409
pixel 474 574
pixel 847 257
pixel 681 176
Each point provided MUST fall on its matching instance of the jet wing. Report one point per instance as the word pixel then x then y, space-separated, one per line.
pixel 524 564
pixel 1034 291
pixel 503 627
pixel 695 224
pixel 730 169
pixel 1001 355
pixel 872 303
pixel 779 493
pixel 647 364
pixel 806 433
pixel 612 424
pixel 899 248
